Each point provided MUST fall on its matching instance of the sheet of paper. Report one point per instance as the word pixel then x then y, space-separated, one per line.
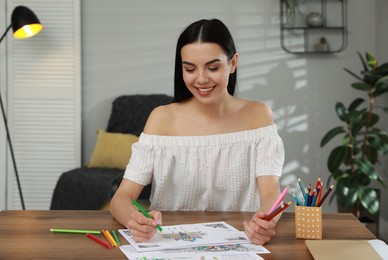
pixel 380 246
pixel 189 235
pixel 342 249
pixel 189 254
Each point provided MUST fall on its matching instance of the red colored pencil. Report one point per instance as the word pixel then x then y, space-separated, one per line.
pixel 99 241
pixel 277 211
pixel 318 182
pixel 325 196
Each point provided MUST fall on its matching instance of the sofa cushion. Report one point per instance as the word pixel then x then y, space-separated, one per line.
pixel 84 188
pixel 112 150
pixel 130 112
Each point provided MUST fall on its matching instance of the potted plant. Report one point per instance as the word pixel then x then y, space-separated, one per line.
pixel 354 163
pixel 322 46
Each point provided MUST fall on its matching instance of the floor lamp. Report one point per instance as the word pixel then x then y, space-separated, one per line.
pixel 24 24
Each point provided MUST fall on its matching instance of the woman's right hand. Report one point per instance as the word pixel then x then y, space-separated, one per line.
pixel 143 228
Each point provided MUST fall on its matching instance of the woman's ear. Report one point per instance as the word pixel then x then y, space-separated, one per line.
pixel 233 63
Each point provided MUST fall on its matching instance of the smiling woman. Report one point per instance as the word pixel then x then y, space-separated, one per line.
pixel 208 150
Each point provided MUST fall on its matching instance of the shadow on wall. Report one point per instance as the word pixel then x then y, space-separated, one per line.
pixel 296 109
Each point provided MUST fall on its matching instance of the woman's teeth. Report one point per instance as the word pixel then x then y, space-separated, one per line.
pixel 205 89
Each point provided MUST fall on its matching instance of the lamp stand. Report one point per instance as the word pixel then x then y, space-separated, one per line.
pixel 9 140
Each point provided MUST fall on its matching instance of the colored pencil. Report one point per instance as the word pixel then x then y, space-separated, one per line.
pixel 296 199
pixel 325 196
pixel 318 182
pixel 75 231
pixel 116 237
pixel 309 188
pixel 103 231
pixel 145 213
pixel 111 238
pixel 302 187
pixel 99 241
pixel 277 202
pixel 319 191
pixel 310 198
pixel 277 211
pixel 315 194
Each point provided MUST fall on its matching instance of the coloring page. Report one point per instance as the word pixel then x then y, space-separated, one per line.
pixel 189 235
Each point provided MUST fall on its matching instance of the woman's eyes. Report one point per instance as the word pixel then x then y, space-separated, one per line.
pixel 193 69
pixel 189 70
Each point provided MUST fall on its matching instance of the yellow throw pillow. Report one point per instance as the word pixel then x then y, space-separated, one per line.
pixel 112 150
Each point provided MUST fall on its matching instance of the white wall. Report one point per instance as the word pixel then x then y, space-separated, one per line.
pixel 128 48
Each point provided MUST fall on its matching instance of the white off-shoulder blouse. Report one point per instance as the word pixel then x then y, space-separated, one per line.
pixel 206 173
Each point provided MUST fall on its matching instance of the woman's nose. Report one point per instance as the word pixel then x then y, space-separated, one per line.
pixel 203 78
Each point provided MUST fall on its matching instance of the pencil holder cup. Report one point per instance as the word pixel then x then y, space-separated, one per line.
pixel 308 222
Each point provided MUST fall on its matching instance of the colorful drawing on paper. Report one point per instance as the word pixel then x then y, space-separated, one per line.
pixel 190 235
pixel 220 248
pixel 184 236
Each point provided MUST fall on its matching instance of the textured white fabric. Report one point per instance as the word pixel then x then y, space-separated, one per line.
pixel 212 173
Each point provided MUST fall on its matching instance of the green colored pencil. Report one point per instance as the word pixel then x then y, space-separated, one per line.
pixel 75 231
pixel 116 237
pixel 140 208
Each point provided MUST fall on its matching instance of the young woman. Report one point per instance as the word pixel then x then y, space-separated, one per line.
pixel 208 150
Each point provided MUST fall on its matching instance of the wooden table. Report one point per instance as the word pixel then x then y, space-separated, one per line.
pixel 25 234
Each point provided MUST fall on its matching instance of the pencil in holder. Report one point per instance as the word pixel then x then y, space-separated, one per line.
pixel 308 222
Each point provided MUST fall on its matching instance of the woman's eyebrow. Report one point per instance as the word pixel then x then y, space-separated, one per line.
pixel 207 63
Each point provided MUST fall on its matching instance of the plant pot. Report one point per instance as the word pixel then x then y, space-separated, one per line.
pixel 370 221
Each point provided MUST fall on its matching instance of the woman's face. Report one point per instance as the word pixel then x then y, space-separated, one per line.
pixel 206 70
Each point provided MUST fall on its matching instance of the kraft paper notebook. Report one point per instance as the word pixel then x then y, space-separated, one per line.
pixel 346 249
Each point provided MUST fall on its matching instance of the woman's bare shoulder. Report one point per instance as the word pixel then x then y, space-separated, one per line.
pixel 259 111
pixel 160 120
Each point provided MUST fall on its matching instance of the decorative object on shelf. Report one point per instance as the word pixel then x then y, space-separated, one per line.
pixel 302 21
pixel 353 162
pixel 290 12
pixel 24 24
pixel 322 46
pixel 314 19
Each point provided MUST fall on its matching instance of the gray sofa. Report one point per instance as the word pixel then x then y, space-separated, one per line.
pixel 88 188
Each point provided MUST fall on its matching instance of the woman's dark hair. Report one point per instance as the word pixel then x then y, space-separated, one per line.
pixel 209 31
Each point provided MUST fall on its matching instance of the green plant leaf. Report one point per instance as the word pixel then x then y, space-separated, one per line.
pixel 369 199
pixel 341 111
pixel 356 120
pixel 331 134
pixel 378 145
pixel 383 137
pixel 381 79
pixel 380 89
pixel 362 86
pixel 372 61
pixel 337 174
pixel 382 182
pixel 374 119
pixel 346 192
pixel 371 153
pixel 337 156
pixel 353 106
pixel 364 64
pixel 367 168
pixel 353 74
pixel 382 69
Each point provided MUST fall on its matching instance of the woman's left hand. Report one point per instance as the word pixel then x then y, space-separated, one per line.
pixel 259 230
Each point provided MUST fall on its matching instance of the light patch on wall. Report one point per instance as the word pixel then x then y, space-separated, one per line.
pixel 297 123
